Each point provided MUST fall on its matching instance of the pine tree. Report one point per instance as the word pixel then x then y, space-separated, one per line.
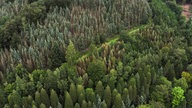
pixel 103 104
pixel 89 105
pixel 37 98
pixel 118 101
pixel 42 105
pixel 14 99
pixel 99 89
pixel 54 99
pixel 77 105
pixel 73 92
pixel 71 54
pixel 107 96
pixel 90 95
pixel 68 101
pixel 81 98
pixel 44 97
pixel 114 93
pixel 84 104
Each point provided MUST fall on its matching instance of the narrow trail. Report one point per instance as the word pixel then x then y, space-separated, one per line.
pixel 115 39
pixel 186 11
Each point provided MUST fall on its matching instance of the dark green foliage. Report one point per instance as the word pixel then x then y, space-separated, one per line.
pixel 118 101
pixel 68 101
pixel 44 98
pixel 14 99
pixel 34 11
pixel 120 63
pixel 99 89
pixel 162 14
pixel 73 92
pixel 54 99
pixel 84 104
pixel 96 70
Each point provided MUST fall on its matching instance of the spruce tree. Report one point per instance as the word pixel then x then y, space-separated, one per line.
pixel 37 98
pixel 118 101
pixel 107 96
pixel 84 104
pixel 99 89
pixel 71 54
pixel 77 105
pixel 44 98
pixel 73 92
pixel 54 99
pixel 42 105
pixel 68 101
pixel 81 98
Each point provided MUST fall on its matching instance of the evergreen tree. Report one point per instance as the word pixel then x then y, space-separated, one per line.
pixel 14 99
pixel 96 70
pixel 107 96
pixel 103 105
pixel 77 105
pixel 84 104
pixel 42 105
pixel 118 101
pixel 68 101
pixel 71 54
pixel 99 89
pixel 81 98
pixel 44 98
pixel 37 98
pixel 73 92
pixel 90 95
pixel 54 99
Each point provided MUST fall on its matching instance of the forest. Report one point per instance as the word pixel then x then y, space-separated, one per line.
pixel 95 54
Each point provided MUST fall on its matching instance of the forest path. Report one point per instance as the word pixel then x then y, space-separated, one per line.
pixel 114 40
pixel 186 11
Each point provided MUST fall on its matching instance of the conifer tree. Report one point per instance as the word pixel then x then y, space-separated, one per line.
pixel 103 104
pixel 89 104
pixel 71 54
pixel 90 95
pixel 81 98
pixel 77 105
pixel 37 98
pixel 118 101
pixel 44 97
pixel 54 99
pixel 68 101
pixel 84 104
pixel 99 89
pixel 73 92
pixel 42 105
pixel 107 96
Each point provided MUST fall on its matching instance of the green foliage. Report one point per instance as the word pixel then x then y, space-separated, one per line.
pixel 162 14
pixel 99 89
pixel 54 99
pixel 71 54
pixel 118 101
pixel 178 96
pixel 107 96
pixel 96 70
pixel 44 98
pixel 68 101
pixel 73 92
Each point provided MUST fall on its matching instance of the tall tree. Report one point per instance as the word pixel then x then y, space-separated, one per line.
pixel 71 54
pixel 99 89
pixel 73 92
pixel 54 99
pixel 68 101
pixel 44 98
pixel 107 96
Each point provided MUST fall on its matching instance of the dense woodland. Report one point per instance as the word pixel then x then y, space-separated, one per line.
pixel 95 54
